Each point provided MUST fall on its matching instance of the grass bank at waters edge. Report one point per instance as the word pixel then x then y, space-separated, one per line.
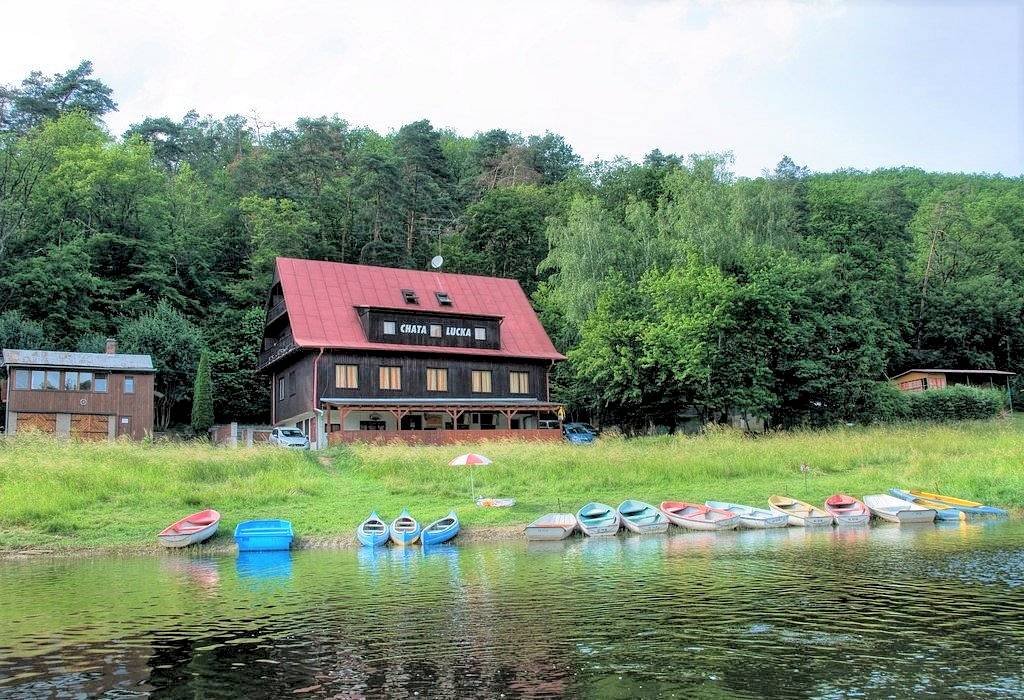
pixel 65 495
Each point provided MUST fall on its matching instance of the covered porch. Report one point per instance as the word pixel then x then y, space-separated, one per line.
pixel 440 421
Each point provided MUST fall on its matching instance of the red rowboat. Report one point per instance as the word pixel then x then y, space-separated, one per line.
pixel 697 516
pixel 197 527
pixel 847 510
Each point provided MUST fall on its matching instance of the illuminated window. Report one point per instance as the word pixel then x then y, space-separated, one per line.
pixel 435 330
pixel 481 381
pixel 391 378
pixel 346 376
pixel 437 379
pixel 480 333
pixel 389 328
pixel 519 382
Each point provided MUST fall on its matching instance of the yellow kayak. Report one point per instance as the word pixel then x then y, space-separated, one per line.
pixel 959 503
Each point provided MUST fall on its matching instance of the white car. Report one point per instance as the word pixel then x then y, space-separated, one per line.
pixel 289 437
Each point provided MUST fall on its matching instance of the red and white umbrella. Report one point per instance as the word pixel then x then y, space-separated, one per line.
pixel 470 458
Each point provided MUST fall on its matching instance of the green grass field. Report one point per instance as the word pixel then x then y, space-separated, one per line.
pixel 66 495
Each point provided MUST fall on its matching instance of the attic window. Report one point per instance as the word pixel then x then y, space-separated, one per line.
pixel 443 299
pixel 410 296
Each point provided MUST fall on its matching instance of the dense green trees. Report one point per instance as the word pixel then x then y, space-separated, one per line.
pixel 668 283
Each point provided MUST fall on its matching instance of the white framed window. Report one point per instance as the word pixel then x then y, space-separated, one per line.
pixel 389 328
pixel 435 330
pixel 480 334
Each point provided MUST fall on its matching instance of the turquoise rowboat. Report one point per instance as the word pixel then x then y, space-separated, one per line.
pixel 372 532
pixel 598 520
pixel 404 529
pixel 441 531
pixel 942 511
pixel 642 518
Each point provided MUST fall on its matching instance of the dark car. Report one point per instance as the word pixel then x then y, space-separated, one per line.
pixel 586 426
pixel 578 435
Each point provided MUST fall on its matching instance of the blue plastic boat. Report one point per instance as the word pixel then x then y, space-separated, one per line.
pixel 441 531
pixel 263 535
pixel 372 532
pixel 404 529
pixel 942 511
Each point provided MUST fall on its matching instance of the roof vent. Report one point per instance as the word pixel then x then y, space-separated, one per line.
pixel 410 296
pixel 443 299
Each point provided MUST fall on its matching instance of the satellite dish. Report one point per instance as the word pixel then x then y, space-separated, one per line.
pixel 436 262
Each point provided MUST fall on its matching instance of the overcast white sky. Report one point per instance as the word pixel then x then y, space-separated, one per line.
pixel 933 84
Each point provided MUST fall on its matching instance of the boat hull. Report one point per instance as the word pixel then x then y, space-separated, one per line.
pixel 646 528
pixel 598 520
pixel 752 518
pixel 896 510
pixel 263 535
pixel 642 518
pixel 852 519
pixel 943 511
pixel 971 507
pixel 600 530
pixel 404 530
pixel 372 539
pixel 551 527
pixel 432 534
pixel 184 540
pixel 816 517
pixel 704 525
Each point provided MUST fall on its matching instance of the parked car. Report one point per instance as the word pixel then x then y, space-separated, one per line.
pixel 544 423
pixel 579 436
pixel 586 426
pixel 288 437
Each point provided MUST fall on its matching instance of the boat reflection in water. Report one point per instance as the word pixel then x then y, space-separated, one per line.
pixel 264 567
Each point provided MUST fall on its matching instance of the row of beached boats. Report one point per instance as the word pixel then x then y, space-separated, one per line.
pixel 405 530
pixel 898 506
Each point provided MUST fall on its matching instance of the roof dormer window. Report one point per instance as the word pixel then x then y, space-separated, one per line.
pixel 443 299
pixel 410 296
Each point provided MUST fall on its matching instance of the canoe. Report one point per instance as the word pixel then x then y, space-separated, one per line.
pixel 553 526
pixel 442 530
pixel 598 520
pixel 642 518
pixel 751 517
pixel 191 529
pixel 263 535
pixel 847 510
pixel 896 510
pixel 800 514
pixel 372 532
pixel 404 529
pixel 970 507
pixel 942 511
pixel 695 516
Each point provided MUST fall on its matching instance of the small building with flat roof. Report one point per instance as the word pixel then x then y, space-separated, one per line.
pixel 925 379
pixel 89 396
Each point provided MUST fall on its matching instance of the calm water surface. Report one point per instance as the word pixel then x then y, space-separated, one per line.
pixel 879 612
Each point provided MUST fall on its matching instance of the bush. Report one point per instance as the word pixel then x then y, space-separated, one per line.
pixel 887 404
pixel 954 403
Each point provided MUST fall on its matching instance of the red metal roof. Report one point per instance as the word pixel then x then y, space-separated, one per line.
pixel 322 298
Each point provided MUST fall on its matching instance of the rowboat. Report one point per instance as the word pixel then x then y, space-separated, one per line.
pixel 971 507
pixel 897 510
pixel 404 529
pixel 800 514
pixel 695 516
pixel 553 526
pixel 372 532
pixel 192 529
pixel 942 511
pixel 263 535
pixel 751 517
pixel 442 530
pixel 642 518
pixel 597 520
pixel 847 510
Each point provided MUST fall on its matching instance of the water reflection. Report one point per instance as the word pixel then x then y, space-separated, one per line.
pixel 776 613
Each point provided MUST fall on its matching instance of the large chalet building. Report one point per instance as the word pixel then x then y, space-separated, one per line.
pixel 357 352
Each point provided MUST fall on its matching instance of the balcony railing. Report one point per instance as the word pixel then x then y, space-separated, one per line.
pixel 276 311
pixel 284 345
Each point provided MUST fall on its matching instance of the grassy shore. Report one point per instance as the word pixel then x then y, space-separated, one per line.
pixel 67 496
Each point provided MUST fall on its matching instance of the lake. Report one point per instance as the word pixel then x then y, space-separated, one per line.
pixel 882 611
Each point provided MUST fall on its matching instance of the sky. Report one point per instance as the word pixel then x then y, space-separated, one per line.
pixel 937 85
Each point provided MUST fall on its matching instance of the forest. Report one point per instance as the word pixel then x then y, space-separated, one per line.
pixel 669 282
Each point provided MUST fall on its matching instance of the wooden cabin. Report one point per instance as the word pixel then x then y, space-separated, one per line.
pixel 927 379
pixel 89 396
pixel 357 352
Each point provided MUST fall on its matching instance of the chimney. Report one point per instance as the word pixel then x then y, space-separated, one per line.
pixel 111 346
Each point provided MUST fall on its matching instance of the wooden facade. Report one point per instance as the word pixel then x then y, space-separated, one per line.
pixel 427 361
pixel 43 393
pixel 929 379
